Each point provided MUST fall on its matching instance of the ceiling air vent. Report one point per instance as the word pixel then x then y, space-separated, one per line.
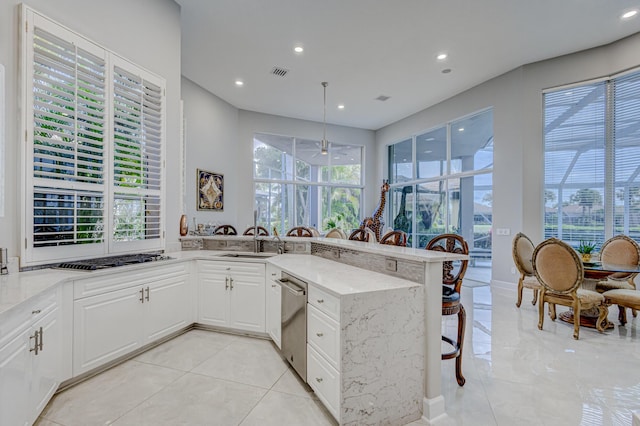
pixel 382 98
pixel 280 72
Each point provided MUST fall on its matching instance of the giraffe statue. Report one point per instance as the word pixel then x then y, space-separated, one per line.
pixel 375 222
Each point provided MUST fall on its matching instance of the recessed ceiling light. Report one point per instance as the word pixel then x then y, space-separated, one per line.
pixel 442 56
pixel 298 49
pixel 336 157
pixel 629 14
pixel 431 139
pixel 428 152
pixel 340 106
pixel 239 83
pixel 461 129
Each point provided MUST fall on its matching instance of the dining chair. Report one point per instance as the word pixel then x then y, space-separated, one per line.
pixel 359 234
pixel 452 275
pixel 394 238
pixel 522 252
pixel 299 231
pixel 558 268
pixel 336 233
pixel 620 250
pixel 314 231
pixel 262 231
pixel 225 230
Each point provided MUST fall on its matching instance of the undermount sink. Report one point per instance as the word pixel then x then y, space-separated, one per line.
pixel 248 255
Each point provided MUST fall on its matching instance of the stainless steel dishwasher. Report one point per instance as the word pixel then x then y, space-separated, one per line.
pixel 294 323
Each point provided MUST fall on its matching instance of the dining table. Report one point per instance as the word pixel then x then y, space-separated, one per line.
pixel 594 272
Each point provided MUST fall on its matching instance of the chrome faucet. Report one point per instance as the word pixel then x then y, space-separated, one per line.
pixel 276 237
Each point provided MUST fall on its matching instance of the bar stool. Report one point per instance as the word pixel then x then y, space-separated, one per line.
pixel 452 274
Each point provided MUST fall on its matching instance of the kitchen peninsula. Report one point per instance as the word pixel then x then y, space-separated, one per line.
pixel 409 287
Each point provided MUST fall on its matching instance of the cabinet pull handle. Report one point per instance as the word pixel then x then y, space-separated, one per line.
pixel 147 294
pixel 319 379
pixel 320 300
pixel 40 339
pixel 35 311
pixel 231 283
pixel 226 283
pixel 273 286
pixel 319 334
pixel 35 336
pixel 142 295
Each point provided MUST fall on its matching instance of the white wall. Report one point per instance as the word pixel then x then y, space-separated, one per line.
pixel 148 34
pixel 516 98
pixel 211 139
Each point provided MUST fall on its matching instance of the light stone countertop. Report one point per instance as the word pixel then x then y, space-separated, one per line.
pixel 337 278
pixel 406 253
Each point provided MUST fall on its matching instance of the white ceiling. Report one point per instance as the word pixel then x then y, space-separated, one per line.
pixel 368 48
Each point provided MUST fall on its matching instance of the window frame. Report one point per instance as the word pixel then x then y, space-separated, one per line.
pixel 31 255
pixel 295 181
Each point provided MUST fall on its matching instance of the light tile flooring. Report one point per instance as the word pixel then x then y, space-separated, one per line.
pixel 516 375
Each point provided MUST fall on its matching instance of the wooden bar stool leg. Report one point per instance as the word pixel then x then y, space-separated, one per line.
pixel 462 320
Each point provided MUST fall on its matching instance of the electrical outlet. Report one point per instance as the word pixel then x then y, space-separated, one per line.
pixel 503 231
pixel 391 265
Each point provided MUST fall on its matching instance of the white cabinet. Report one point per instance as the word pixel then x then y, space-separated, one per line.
pixel 126 311
pixel 232 295
pixel 30 360
pixel 273 305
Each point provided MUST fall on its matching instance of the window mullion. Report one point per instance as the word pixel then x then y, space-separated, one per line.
pixel 609 158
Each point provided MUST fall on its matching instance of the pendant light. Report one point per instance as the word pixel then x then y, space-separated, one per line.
pixel 324 144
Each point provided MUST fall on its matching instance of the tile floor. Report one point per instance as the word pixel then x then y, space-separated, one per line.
pixel 516 375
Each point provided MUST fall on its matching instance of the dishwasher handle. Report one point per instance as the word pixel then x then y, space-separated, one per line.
pixel 291 287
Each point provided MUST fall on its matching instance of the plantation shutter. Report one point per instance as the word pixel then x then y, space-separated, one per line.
pixel 626 164
pixel 66 139
pixel 137 155
pixel 94 148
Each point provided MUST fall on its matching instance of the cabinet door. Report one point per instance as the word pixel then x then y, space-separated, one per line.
pixel 166 307
pixel 273 314
pixel 213 298
pixel 248 297
pixel 106 327
pixel 47 364
pixel 15 373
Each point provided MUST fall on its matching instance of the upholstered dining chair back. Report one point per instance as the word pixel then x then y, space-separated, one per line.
pixel 557 266
pixel 335 233
pixel 522 252
pixel 620 250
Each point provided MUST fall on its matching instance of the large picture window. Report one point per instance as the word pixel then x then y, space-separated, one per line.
pixel 296 185
pixel 94 127
pixel 592 160
pixel 441 181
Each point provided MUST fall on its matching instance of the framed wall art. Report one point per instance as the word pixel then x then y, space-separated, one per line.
pixel 210 191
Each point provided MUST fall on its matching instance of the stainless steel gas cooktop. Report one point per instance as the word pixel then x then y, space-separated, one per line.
pixel 113 261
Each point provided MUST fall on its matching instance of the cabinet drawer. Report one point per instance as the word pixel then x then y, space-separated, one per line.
pixel 238 269
pixel 15 320
pixel 119 280
pixel 273 272
pixel 324 301
pixel 324 380
pixel 323 333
